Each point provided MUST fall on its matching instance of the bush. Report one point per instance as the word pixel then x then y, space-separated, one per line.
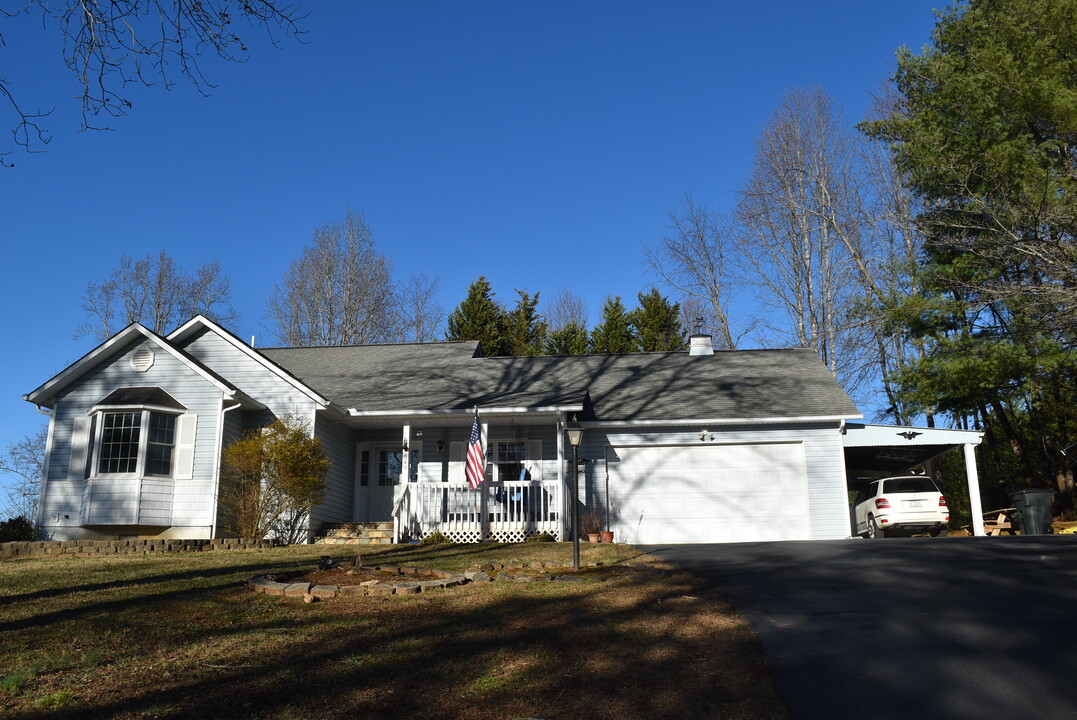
pixel 435 538
pixel 541 537
pixel 16 529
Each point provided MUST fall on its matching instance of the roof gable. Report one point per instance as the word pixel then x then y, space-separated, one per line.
pixel 46 393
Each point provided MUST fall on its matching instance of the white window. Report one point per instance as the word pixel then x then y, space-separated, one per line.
pixel 138 432
pixel 508 460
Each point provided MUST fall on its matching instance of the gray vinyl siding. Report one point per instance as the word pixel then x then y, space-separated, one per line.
pixel 253 378
pixel 823 460
pixel 191 499
pixel 338 441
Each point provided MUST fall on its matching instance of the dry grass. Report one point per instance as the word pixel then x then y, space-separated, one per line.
pixel 180 636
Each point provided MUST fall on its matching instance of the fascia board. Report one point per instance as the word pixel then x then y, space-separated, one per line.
pixel 487 411
pixel 717 422
pixel 888 436
pixel 202 321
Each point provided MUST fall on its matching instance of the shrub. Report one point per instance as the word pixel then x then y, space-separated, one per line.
pixel 435 538
pixel 18 528
pixel 540 537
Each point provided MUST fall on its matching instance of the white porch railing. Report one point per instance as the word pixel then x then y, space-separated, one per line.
pixel 506 512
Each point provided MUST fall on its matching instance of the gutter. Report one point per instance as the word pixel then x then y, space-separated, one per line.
pixel 601 424
pixel 552 409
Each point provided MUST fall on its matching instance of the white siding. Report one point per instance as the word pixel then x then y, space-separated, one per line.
pixel 338 441
pixel 113 504
pixel 250 376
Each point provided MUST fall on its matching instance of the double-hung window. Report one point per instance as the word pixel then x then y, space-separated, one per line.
pixel 133 432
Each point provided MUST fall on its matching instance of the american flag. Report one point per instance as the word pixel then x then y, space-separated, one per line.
pixel 476 456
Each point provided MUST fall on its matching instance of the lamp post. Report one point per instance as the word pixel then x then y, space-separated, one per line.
pixel 575 434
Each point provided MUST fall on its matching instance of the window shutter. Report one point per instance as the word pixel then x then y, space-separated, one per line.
pixel 184 465
pixel 80 454
pixel 456 462
pixel 534 459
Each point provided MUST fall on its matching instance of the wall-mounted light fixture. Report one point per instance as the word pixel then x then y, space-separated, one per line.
pixel 441 445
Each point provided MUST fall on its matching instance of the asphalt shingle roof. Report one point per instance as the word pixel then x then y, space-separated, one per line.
pixel 741 384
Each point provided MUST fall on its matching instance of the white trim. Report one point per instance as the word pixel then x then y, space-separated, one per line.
pixel 602 425
pixel 45 392
pixel 249 352
pixel 355 413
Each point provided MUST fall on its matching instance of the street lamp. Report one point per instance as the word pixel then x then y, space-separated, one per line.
pixel 575 434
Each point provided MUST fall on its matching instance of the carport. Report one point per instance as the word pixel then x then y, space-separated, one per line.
pixel 881 450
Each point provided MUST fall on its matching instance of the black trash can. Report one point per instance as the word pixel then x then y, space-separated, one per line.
pixel 1033 510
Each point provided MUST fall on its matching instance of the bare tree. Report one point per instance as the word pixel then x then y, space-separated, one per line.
pixel 339 292
pixel 692 259
pixel 109 44
pixel 802 216
pixel 421 319
pixel 566 308
pixel 156 292
pixel 22 464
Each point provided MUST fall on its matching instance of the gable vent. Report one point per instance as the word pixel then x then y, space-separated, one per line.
pixel 142 360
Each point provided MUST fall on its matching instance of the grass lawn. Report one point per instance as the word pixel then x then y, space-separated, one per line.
pixel 181 636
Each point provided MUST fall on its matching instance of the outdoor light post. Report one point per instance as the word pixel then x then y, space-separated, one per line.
pixel 575 434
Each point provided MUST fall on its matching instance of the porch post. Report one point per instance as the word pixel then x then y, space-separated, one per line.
pixel 975 507
pixel 484 509
pixel 562 527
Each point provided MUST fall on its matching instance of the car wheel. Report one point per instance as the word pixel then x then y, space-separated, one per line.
pixel 936 531
pixel 874 533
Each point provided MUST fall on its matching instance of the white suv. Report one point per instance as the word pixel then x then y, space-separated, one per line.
pixel 911 503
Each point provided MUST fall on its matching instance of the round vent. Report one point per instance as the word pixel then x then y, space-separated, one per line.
pixel 142 360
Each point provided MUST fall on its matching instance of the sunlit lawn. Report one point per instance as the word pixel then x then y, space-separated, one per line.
pixel 182 636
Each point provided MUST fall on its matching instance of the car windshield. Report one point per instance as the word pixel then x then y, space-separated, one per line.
pixel 909 485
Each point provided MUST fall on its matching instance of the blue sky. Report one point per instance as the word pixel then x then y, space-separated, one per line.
pixel 540 144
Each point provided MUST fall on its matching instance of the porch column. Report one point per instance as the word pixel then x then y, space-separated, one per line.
pixel 975 507
pixel 562 527
pixel 484 495
pixel 405 476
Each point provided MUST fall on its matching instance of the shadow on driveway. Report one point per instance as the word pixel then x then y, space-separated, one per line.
pixel 908 627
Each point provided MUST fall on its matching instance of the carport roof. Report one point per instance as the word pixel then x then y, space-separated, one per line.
pixel 875 450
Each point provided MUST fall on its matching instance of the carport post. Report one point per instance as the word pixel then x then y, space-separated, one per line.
pixel 975 507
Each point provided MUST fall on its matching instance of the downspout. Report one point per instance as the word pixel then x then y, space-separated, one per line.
pixel 217 466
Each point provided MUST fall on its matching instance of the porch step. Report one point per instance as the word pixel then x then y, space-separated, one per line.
pixel 364 533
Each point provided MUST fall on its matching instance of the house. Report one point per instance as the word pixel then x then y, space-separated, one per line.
pixel 697 446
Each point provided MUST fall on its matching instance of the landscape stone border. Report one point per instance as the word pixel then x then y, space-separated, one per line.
pixel 439 580
pixel 134 546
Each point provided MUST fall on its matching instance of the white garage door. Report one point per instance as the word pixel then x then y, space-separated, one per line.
pixel 708 493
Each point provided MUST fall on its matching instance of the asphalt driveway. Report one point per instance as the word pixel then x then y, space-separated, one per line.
pixel 908 627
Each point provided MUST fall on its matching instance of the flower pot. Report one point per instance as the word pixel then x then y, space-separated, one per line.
pixel 607 536
pixel 594 537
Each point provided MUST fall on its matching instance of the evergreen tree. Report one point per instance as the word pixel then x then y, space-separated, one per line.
pixel 983 131
pixel 524 328
pixel 478 317
pixel 572 339
pixel 657 323
pixel 614 333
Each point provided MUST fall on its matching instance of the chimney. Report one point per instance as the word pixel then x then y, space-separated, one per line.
pixel 700 345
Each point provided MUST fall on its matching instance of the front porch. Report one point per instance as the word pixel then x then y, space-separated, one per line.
pixel 412 475
pixel 508 511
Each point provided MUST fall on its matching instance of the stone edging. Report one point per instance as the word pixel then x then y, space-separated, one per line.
pixel 138 546
pixel 488 572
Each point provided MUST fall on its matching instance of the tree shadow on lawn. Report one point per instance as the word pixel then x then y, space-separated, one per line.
pixel 646 649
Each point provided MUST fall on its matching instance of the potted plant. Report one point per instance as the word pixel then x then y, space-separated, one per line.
pixel 591 526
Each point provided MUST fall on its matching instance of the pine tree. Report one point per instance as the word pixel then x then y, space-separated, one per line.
pixel 478 317
pixel 524 328
pixel 572 339
pixel 657 323
pixel 614 333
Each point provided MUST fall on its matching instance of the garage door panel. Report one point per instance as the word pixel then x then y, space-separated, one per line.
pixel 717 493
